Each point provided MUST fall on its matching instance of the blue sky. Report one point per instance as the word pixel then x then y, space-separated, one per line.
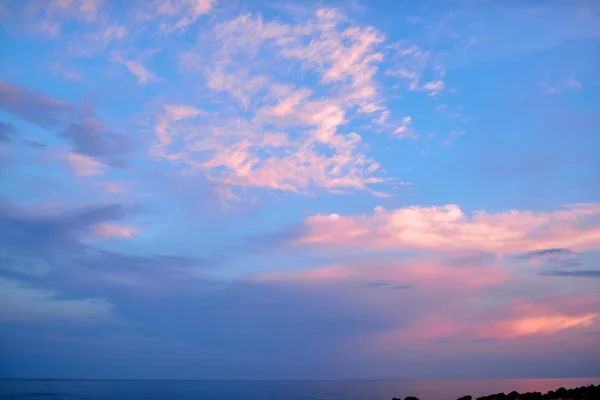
pixel 279 190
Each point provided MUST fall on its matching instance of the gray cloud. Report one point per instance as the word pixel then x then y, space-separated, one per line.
pixel 52 250
pixel 581 273
pixel 78 124
pixel 547 253
pixel 7 132
pixel 388 285
pixel 91 138
pixel 34 106
pixel 54 233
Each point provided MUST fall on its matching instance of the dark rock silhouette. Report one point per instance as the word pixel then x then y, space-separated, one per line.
pixel 512 395
pixel 497 396
pixel 531 396
pixel 591 392
pixel 562 392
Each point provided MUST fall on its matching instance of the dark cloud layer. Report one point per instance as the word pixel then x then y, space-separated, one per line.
pixel 88 134
pixel 42 234
pixel 590 273
pixel 554 253
pixel 59 241
pixel 34 106
pixel 91 138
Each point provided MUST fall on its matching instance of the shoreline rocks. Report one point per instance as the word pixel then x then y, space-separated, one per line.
pixel 591 392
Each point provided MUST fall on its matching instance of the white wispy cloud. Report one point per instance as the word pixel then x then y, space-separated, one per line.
pixel 405 131
pixel 136 67
pixel 174 14
pixel 411 64
pixel 568 84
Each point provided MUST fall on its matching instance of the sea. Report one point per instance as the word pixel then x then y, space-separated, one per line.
pixel 273 390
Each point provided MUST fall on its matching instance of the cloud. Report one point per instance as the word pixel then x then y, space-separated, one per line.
pixel 548 324
pixel 85 166
pixel 171 113
pixel 424 274
pixel 546 317
pixel 568 84
pixel 147 274
pixel 239 85
pixel 113 187
pixel 506 324
pixel 48 16
pixel 107 230
pixel 70 74
pixel 59 240
pixel 175 14
pixel 293 139
pixel 578 273
pixel 443 302
pixel 91 138
pixel 136 67
pixel 241 153
pixel 34 106
pixel 411 63
pixel 86 132
pixel 435 327
pixel 97 39
pixel 405 131
pixel 7 132
pixel 388 285
pixel 548 252
pixel 339 52
pixel 45 233
pixel 556 253
pixel 19 303
pixel 555 259
pixel 448 228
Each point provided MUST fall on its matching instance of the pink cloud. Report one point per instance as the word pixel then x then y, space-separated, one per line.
pixel 428 274
pixel 242 153
pixel 136 67
pixel 404 131
pixel 448 228
pixel 114 231
pixel 329 273
pixel 293 139
pixel 546 317
pixel 411 63
pixel 435 326
pixel 457 320
pixel 113 187
pixel 85 166
pixel 240 85
pixel 491 306
pixel 171 113
pixel 175 14
pixel 48 16
pixel 548 324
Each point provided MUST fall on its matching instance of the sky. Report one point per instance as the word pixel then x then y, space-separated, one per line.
pixel 220 189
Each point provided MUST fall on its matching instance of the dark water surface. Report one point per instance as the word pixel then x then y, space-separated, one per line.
pixel 271 390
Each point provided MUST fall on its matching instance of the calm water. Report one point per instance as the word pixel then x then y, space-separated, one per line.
pixel 272 390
